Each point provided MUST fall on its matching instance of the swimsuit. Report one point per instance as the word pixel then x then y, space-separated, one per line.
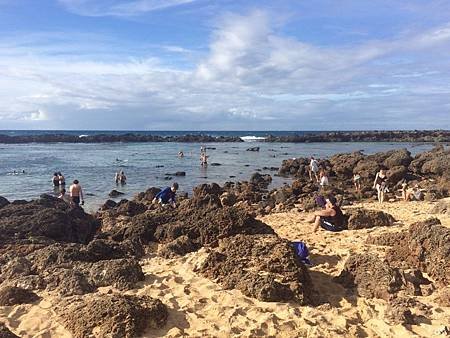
pixel 333 223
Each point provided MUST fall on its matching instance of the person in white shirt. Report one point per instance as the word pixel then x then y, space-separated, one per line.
pixel 323 179
pixel 313 169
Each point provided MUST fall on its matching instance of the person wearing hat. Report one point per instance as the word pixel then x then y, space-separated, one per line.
pixel 331 218
pixel 167 196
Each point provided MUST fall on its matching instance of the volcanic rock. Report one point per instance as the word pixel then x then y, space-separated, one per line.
pixel 265 267
pixel 442 207
pixel 5 332
pixel 111 315
pixel 114 193
pixel 360 218
pixel 3 202
pixel 123 274
pixel 10 295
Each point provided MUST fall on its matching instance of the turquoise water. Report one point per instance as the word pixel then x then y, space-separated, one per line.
pixel 94 165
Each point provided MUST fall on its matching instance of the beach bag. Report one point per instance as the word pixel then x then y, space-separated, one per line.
pixel 302 252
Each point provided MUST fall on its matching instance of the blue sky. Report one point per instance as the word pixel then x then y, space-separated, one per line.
pixel 224 65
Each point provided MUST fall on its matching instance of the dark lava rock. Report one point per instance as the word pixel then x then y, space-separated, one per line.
pixel 343 164
pixel 371 276
pixel 262 180
pixel 3 202
pixel 203 190
pixel 10 295
pixel 387 239
pixel 396 174
pixel 401 157
pixel 123 274
pixel 5 332
pixel 178 247
pixel 427 248
pixel 253 149
pixel 109 204
pixel 178 173
pixel 114 193
pixel 130 208
pixel 45 219
pixel 265 267
pixel 111 315
pixel 228 199
pixel 69 282
pixel 148 195
pixel 360 218
pixel 214 164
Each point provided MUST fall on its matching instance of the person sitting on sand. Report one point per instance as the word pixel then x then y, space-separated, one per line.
pixel 357 182
pixel 167 196
pixel 414 194
pixel 380 184
pixel 331 218
pixel 76 193
pixel 313 169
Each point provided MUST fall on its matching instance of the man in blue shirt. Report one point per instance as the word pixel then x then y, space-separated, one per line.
pixel 167 195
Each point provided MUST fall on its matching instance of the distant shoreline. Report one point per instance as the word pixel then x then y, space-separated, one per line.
pixel 428 136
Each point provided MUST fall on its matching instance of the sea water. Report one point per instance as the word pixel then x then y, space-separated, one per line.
pixel 146 164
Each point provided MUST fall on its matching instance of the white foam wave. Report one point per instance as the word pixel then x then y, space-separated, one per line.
pixel 251 138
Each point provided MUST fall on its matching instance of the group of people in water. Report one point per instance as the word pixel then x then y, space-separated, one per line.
pixel 75 196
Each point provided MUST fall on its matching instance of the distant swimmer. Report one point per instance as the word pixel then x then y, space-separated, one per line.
pixel 167 196
pixel 76 193
pixel 122 178
pixel 180 154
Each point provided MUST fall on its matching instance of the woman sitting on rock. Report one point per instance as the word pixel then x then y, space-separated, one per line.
pixel 331 218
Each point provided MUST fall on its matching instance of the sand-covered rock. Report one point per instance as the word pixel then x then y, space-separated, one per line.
pixel 441 207
pixel 10 295
pixel 371 276
pixel 111 315
pixel 261 266
pixel 427 248
pixel 360 218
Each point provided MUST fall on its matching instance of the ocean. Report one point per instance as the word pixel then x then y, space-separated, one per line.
pixel 146 164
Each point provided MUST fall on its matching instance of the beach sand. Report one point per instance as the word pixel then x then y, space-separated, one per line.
pixel 200 308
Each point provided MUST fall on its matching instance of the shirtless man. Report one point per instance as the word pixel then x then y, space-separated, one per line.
pixel 76 193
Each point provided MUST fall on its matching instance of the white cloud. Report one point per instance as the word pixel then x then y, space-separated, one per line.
pixel 252 76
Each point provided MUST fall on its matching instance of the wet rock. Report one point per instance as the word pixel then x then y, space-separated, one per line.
pixel 5 332
pixel 10 295
pixel 111 315
pixel 360 218
pixel 123 274
pixel 214 164
pixel 44 220
pixel 148 195
pixel 427 248
pixel 178 247
pixel 253 149
pixel 109 204
pixel 3 202
pixel 114 193
pixel 178 173
pixel 261 180
pixel 371 277
pixel 261 266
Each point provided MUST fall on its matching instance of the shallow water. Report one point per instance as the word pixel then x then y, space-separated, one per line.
pixel 94 165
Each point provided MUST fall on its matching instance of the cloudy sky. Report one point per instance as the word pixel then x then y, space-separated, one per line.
pixel 225 64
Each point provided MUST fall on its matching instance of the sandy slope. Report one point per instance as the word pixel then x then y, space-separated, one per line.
pixel 200 308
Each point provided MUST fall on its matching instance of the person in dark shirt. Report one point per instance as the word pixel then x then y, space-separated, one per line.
pixel 167 196
pixel 331 218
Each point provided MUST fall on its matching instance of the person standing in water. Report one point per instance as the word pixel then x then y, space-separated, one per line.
pixel 62 180
pixel 122 178
pixel 76 193
pixel 380 184
pixel 55 180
